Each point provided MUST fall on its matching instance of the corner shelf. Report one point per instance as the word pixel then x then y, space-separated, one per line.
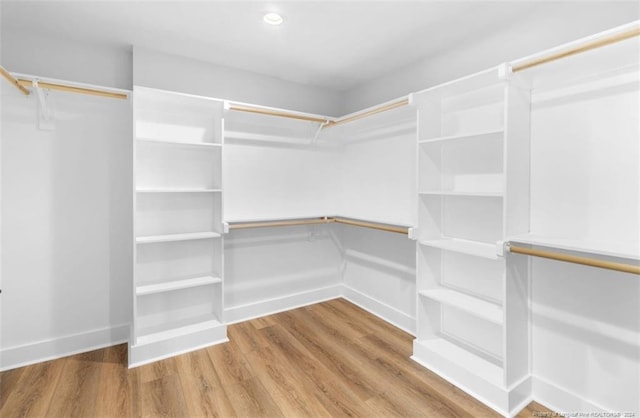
pixel 176 237
pixel 478 307
pixel 153 288
pixel 479 249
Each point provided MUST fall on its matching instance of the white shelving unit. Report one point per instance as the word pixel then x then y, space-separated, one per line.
pixel 473 192
pixel 178 224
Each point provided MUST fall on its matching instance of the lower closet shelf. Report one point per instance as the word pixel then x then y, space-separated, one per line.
pixel 174 329
pixel 152 288
pixel 475 306
pixel 442 355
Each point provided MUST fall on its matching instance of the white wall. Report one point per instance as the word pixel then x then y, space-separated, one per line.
pixel 274 269
pixel 534 32
pixel 113 66
pixel 168 72
pixel 66 226
pixel 44 56
pixel 585 185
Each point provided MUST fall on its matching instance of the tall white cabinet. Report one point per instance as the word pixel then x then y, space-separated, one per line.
pixel 178 225
pixel 473 192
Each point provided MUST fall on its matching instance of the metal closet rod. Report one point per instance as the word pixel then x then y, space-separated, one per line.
pixel 608 40
pixel 323 220
pixel 592 262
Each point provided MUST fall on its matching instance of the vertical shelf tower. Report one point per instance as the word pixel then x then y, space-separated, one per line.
pixel 178 225
pixel 473 192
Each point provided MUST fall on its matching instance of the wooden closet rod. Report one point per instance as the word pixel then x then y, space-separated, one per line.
pixel 73 89
pixel 292 222
pixel 610 265
pixel 367 113
pixel 373 225
pixel 324 220
pixel 578 49
pixel 11 79
pixel 279 113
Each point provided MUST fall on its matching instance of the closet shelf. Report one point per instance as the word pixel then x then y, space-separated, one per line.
pixel 176 237
pixel 627 250
pixel 462 193
pixel 165 331
pixel 478 307
pixel 150 289
pixel 180 143
pixel 478 135
pixel 163 190
pixel 440 354
pixel 478 249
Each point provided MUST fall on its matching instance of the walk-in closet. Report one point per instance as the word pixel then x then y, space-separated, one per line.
pixel 310 208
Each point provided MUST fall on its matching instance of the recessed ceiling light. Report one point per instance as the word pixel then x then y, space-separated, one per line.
pixel 273 19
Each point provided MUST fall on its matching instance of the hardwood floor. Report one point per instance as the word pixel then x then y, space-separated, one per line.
pixel 329 359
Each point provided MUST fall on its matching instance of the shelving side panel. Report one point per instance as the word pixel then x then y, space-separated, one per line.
pixel 429 117
pixel 517 321
pixel 428 274
pixel 517 160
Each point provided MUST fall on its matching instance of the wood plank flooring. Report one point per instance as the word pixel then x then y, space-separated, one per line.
pixel 329 359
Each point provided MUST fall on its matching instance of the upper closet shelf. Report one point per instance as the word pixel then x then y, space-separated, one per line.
pixel 616 50
pixel 625 250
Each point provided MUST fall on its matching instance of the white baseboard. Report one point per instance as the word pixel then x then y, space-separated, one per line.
pixel 271 306
pixel 380 309
pixel 24 355
pixel 559 399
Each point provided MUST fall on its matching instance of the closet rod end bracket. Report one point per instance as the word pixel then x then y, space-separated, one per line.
pixel 45 112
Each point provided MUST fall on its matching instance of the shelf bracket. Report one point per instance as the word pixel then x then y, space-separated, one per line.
pixel 45 113
pixel 317 134
pixel 504 71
